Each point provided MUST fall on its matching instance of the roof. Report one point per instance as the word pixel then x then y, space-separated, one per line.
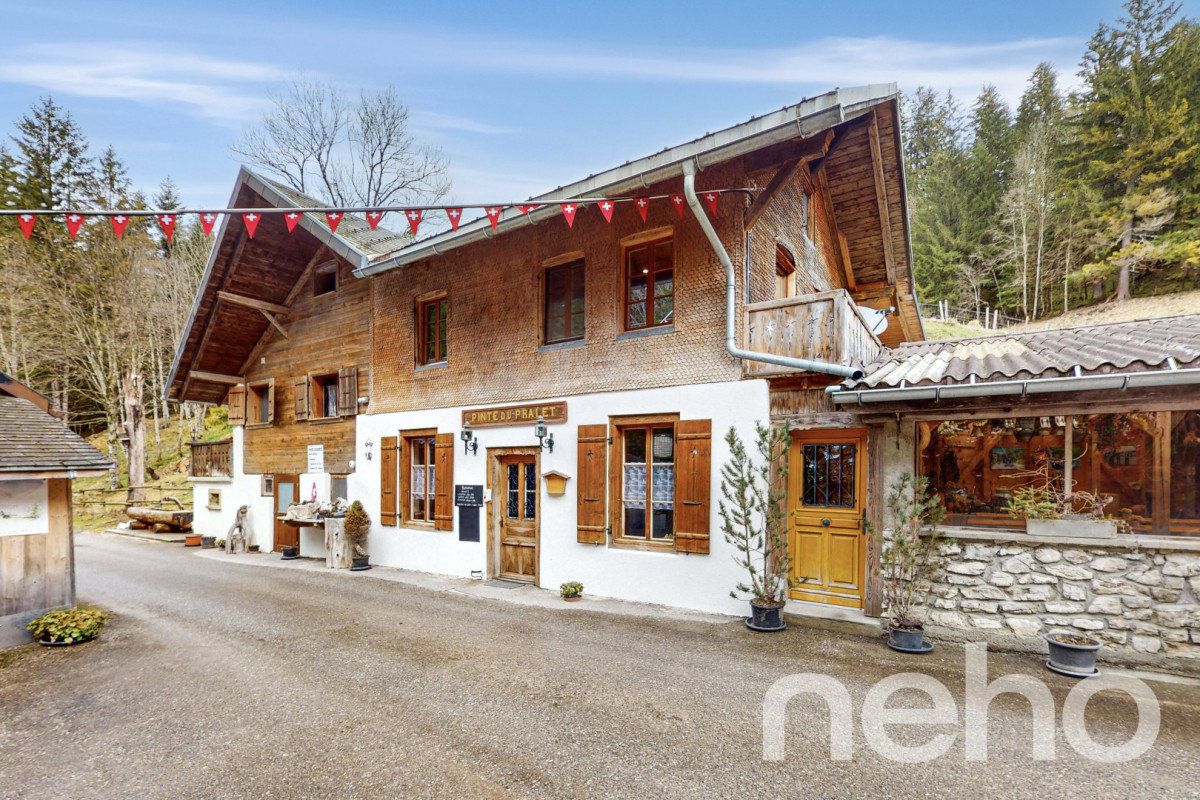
pixel 11 387
pixel 1140 346
pixel 33 441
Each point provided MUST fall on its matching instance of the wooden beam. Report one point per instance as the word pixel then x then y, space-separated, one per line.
pixel 885 217
pixel 813 147
pixel 271 319
pixel 214 377
pixel 780 179
pixel 209 327
pixel 1160 475
pixel 252 302
pixel 847 267
pixel 301 282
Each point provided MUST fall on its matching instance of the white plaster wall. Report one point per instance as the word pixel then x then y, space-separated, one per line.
pixel 700 582
pixel 237 490
pixel 24 507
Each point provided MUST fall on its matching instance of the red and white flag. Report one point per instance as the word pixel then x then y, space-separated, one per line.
pixel 711 199
pixel 291 220
pixel 493 214
pixel 26 221
pixel 413 215
pixel 568 212
pixel 677 201
pixel 334 218
pixel 207 221
pixel 74 221
pixel 167 223
pixel 374 218
pixel 455 216
pixel 643 206
pixel 250 220
pixel 606 208
pixel 119 223
pixel 526 209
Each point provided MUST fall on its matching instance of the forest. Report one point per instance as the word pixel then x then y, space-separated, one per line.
pixel 1075 197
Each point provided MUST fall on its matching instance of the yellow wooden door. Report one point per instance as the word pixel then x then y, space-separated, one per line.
pixel 518 518
pixel 826 493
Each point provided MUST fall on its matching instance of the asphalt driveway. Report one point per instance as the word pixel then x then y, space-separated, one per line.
pixel 220 680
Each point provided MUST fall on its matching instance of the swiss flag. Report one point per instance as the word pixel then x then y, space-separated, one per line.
pixel 73 223
pixel 454 215
pixel 334 218
pixel 568 211
pixel 119 223
pixel 414 219
pixel 207 221
pixel 711 199
pixel 167 223
pixel 250 220
pixel 526 209
pixel 677 201
pixel 606 208
pixel 374 218
pixel 26 222
pixel 291 219
pixel 493 214
pixel 643 206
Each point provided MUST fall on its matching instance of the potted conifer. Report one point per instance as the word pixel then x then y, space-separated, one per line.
pixel 358 525
pixel 911 560
pixel 754 521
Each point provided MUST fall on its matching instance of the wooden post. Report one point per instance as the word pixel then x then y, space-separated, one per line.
pixel 1161 473
pixel 337 549
pixel 1068 457
pixel 873 589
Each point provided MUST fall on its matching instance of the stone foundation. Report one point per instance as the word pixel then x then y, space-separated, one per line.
pixel 1138 595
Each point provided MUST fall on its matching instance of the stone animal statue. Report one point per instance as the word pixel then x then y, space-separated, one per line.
pixel 236 538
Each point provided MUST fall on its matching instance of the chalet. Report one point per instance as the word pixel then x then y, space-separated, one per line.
pixel 39 456
pixel 542 402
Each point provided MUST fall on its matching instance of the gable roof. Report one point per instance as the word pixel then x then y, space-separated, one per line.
pixel 33 441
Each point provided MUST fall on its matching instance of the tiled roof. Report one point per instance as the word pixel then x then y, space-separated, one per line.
pixel 33 441
pixel 353 229
pixel 1094 350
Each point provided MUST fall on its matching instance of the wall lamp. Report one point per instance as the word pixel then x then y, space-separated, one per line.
pixel 545 439
pixel 470 443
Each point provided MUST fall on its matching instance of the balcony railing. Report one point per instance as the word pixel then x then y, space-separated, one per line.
pixel 211 459
pixel 822 327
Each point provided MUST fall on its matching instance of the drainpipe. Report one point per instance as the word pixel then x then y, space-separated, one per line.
pixel 802 364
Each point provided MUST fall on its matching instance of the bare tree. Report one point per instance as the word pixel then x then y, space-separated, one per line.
pixel 345 150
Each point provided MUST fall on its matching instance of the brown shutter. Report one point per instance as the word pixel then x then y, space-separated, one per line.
pixel 443 484
pixel 347 391
pixel 387 480
pixel 271 401
pixel 589 501
pixel 236 400
pixel 302 393
pixel 693 452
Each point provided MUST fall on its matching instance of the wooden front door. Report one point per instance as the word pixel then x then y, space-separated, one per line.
pixel 517 496
pixel 287 491
pixel 827 489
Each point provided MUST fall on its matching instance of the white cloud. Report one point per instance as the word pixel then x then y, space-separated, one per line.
pixel 432 120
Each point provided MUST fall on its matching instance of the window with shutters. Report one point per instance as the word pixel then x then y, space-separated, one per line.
pixel 324 396
pixel 431 330
pixel 260 403
pixel 418 477
pixel 564 303
pixel 649 285
pixel 646 482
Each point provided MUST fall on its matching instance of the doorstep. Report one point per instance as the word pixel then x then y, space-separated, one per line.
pixel 526 595
pixel 148 536
pixel 838 619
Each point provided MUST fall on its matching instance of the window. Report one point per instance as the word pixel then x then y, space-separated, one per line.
pixel 648 482
pixel 267 487
pixel 325 395
pixel 564 307
pixel 828 475
pixel 337 487
pixel 260 402
pixel 649 285
pixel 420 478
pixel 214 499
pixel 785 273
pixel 431 330
pixel 325 278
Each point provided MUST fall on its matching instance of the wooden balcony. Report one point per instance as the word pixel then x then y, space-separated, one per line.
pixel 211 459
pixel 822 327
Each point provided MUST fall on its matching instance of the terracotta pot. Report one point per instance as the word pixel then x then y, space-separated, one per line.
pixel 574 599
pixel 192 540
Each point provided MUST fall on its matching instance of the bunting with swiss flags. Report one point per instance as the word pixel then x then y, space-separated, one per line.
pixel 606 208
pixel 74 221
pixel 207 220
pixel 334 218
pixel 374 218
pixel 167 223
pixel 493 215
pixel 26 221
pixel 250 220
pixel 414 219
pixel 568 212
pixel 291 219
pixel 455 216
pixel 119 223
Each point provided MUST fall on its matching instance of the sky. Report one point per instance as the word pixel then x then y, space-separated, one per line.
pixel 520 97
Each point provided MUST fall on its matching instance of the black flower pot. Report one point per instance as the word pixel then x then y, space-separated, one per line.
pixel 909 640
pixel 1072 654
pixel 359 563
pixel 208 542
pixel 290 552
pixel 48 643
pixel 765 617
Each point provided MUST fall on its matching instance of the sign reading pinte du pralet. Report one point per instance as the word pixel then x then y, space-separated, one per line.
pixel 553 413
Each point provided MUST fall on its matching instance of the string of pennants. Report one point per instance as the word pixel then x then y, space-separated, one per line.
pixel 167 220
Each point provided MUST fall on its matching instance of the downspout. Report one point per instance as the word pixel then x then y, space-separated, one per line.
pixel 802 364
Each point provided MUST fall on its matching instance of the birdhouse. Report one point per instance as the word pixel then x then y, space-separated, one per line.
pixel 556 482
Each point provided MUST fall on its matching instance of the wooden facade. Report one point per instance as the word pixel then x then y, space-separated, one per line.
pixel 37 570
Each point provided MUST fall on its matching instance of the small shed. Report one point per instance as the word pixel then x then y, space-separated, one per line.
pixel 39 456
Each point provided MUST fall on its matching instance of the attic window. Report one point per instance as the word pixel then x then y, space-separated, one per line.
pixel 325 278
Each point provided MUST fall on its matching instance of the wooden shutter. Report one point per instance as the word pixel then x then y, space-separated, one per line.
pixel 589 500
pixel 693 452
pixel 301 386
pixel 347 391
pixel 236 400
pixel 388 446
pixel 270 401
pixel 443 484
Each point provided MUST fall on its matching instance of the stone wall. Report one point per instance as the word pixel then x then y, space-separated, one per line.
pixel 1136 594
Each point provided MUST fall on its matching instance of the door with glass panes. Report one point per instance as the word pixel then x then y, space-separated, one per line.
pixel 518 540
pixel 826 494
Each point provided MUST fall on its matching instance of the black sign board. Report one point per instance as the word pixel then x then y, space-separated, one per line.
pixel 468 524
pixel 468 495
